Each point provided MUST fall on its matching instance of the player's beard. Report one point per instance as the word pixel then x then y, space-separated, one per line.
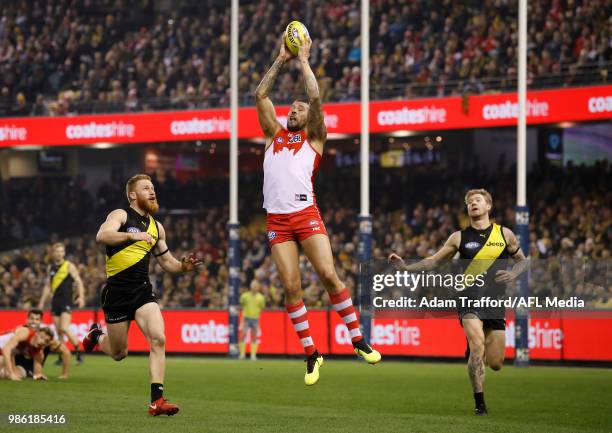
pixel 147 205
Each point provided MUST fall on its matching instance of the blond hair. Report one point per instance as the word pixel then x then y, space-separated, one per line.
pixel 483 192
pixel 58 245
pixel 131 183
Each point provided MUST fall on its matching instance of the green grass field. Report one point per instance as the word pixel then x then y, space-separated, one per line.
pixel 217 395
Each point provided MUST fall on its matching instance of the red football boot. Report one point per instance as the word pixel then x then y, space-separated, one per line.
pixel 91 339
pixel 162 406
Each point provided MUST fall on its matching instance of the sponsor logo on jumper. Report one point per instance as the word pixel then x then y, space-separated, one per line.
pixel 301 197
pixel 495 244
pixel 472 245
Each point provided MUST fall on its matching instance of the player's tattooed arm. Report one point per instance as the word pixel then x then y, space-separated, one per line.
pixel 168 262
pixel 444 254
pixel 521 264
pixel 265 108
pixel 315 124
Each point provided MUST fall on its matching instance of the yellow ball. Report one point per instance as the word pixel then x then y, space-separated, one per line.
pixel 295 32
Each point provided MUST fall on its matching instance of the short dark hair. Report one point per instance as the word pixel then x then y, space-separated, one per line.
pixel 47 331
pixel 304 100
pixel 36 311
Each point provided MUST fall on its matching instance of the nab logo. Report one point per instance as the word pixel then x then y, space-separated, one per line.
pixel 472 245
pixel 133 230
pixel 295 138
pixel 496 244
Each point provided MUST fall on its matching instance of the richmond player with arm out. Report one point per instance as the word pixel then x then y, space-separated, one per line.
pixel 486 247
pixel 131 235
pixel 63 277
pixel 292 157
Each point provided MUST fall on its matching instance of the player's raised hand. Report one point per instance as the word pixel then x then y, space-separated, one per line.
pixel 284 54
pixel 395 259
pixel 504 277
pixel 190 262
pixel 304 51
pixel 140 236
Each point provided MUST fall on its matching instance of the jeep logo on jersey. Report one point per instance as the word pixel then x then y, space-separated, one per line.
pixel 495 244
pixel 271 235
pixel 133 230
pixel 472 245
pixel 295 138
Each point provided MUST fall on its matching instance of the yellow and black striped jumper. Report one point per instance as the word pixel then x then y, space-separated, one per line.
pixel 61 287
pixel 127 270
pixel 484 252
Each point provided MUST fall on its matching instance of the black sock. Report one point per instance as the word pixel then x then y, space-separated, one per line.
pixel 157 391
pixel 479 398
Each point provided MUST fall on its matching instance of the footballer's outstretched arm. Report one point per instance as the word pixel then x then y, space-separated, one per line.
pixel 443 255
pixel 315 123
pixel 168 262
pixel 265 108
pixel 521 264
pixel 109 233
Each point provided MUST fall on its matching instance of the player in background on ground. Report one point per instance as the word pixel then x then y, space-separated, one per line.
pixel 63 277
pixel 292 156
pixel 131 235
pixel 24 344
pixel 252 302
pixel 486 247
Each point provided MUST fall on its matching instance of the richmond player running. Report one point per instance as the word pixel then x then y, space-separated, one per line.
pixel 63 276
pixel 292 157
pixel 131 235
pixel 486 246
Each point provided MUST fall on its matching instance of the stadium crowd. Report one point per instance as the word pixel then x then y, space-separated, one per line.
pixel 570 234
pixel 60 57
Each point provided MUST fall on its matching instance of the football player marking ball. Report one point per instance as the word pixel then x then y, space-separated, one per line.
pixel 294 33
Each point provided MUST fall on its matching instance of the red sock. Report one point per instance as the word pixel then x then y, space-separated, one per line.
pixel 299 317
pixel 343 305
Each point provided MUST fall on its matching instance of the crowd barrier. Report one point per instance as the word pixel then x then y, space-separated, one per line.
pixel 584 337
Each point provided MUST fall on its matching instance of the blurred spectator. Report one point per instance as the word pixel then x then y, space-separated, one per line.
pixel 130 55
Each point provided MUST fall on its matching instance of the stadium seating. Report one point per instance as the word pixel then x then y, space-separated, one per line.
pixel 66 57
pixel 570 214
